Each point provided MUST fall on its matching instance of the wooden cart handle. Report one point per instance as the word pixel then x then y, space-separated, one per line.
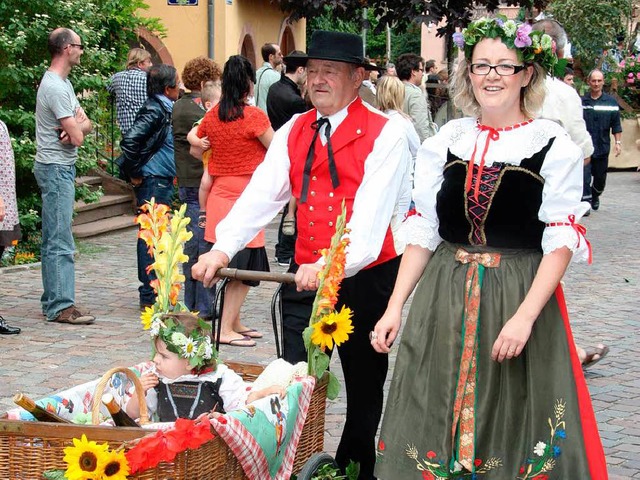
pixel 102 384
pixel 251 275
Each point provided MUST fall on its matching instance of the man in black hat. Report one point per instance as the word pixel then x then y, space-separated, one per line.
pixel 285 98
pixel 341 149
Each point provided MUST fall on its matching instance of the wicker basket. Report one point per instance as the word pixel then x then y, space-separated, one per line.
pixel 27 449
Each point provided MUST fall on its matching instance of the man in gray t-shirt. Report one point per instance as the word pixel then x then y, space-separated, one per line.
pixel 61 126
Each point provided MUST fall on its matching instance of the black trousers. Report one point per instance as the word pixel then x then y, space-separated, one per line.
pixel 596 169
pixel 365 370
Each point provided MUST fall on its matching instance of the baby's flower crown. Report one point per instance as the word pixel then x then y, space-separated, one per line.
pixel 196 346
pixel 532 46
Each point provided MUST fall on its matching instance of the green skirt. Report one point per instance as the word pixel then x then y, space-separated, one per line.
pixel 526 418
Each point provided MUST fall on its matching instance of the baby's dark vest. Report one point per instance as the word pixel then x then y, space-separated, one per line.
pixel 188 399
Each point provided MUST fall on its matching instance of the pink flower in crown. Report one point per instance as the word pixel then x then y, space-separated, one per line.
pixel 522 36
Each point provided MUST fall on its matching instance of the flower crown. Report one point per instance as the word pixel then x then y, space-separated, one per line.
pixel 532 46
pixel 195 347
pixel 165 237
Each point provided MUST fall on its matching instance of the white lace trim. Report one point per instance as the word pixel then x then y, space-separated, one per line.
pixel 531 138
pixel 420 232
pixel 557 237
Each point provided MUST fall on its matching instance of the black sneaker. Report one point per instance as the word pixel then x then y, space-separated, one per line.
pixel 595 203
pixel 282 262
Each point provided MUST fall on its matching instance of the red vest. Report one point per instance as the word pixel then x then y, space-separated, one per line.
pixel 352 143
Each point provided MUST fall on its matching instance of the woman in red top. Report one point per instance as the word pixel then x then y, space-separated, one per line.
pixel 239 135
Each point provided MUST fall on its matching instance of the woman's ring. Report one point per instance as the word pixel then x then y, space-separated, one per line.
pixel 373 336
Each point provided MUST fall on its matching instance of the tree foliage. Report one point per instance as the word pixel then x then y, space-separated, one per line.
pixel 402 40
pixel 591 26
pixel 401 13
pixel 107 29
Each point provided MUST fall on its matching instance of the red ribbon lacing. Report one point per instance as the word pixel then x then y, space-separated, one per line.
pixel 580 230
pixel 493 134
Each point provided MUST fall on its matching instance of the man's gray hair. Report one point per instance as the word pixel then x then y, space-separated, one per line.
pixel 552 28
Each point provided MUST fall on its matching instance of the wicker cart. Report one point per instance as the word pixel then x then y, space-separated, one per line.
pixel 27 449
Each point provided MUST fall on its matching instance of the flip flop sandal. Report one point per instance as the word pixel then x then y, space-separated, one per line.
pixel 234 342
pixel 592 352
pixel 251 333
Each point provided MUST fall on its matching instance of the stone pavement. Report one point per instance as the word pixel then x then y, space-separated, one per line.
pixel 603 301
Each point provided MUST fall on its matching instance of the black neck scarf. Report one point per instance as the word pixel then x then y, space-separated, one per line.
pixel 333 171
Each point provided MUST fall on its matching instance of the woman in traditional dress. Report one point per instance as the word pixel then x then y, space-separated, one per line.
pixel 239 135
pixel 487 383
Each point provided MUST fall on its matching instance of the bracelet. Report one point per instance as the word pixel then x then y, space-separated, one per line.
pixel 618 142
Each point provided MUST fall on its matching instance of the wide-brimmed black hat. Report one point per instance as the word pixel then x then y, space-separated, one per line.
pixel 337 47
pixel 295 59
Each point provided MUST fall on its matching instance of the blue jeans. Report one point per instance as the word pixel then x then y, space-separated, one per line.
pixel 57 189
pixel 196 296
pixel 162 189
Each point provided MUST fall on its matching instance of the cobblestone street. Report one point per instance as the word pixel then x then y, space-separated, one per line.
pixel 603 301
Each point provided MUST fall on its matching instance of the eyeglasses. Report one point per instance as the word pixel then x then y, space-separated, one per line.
pixel 503 69
pixel 81 47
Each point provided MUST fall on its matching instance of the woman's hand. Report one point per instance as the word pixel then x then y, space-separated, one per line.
pixel 386 330
pixel 148 381
pixel 512 338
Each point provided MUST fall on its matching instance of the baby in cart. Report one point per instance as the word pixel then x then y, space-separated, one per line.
pixel 187 380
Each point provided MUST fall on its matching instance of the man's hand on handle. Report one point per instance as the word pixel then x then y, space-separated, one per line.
pixel 207 266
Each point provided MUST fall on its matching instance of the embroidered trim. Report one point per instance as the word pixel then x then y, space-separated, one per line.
pixel 545 455
pixel 420 233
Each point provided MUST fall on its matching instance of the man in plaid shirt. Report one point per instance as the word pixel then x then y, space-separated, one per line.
pixel 130 87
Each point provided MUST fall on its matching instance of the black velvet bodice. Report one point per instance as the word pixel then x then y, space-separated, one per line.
pixel 188 399
pixel 505 215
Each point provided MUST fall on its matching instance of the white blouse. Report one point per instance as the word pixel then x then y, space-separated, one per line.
pixel 562 172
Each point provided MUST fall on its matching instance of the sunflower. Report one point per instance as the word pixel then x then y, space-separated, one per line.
pixel 84 458
pixel 147 317
pixel 116 466
pixel 334 327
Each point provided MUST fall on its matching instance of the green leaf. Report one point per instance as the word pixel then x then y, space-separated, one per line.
pixel 353 470
pixel 306 336
pixel 54 475
pixel 321 363
pixel 333 388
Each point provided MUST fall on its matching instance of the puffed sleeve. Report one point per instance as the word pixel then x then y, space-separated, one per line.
pixel 233 389
pixel 422 225
pixel 561 206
